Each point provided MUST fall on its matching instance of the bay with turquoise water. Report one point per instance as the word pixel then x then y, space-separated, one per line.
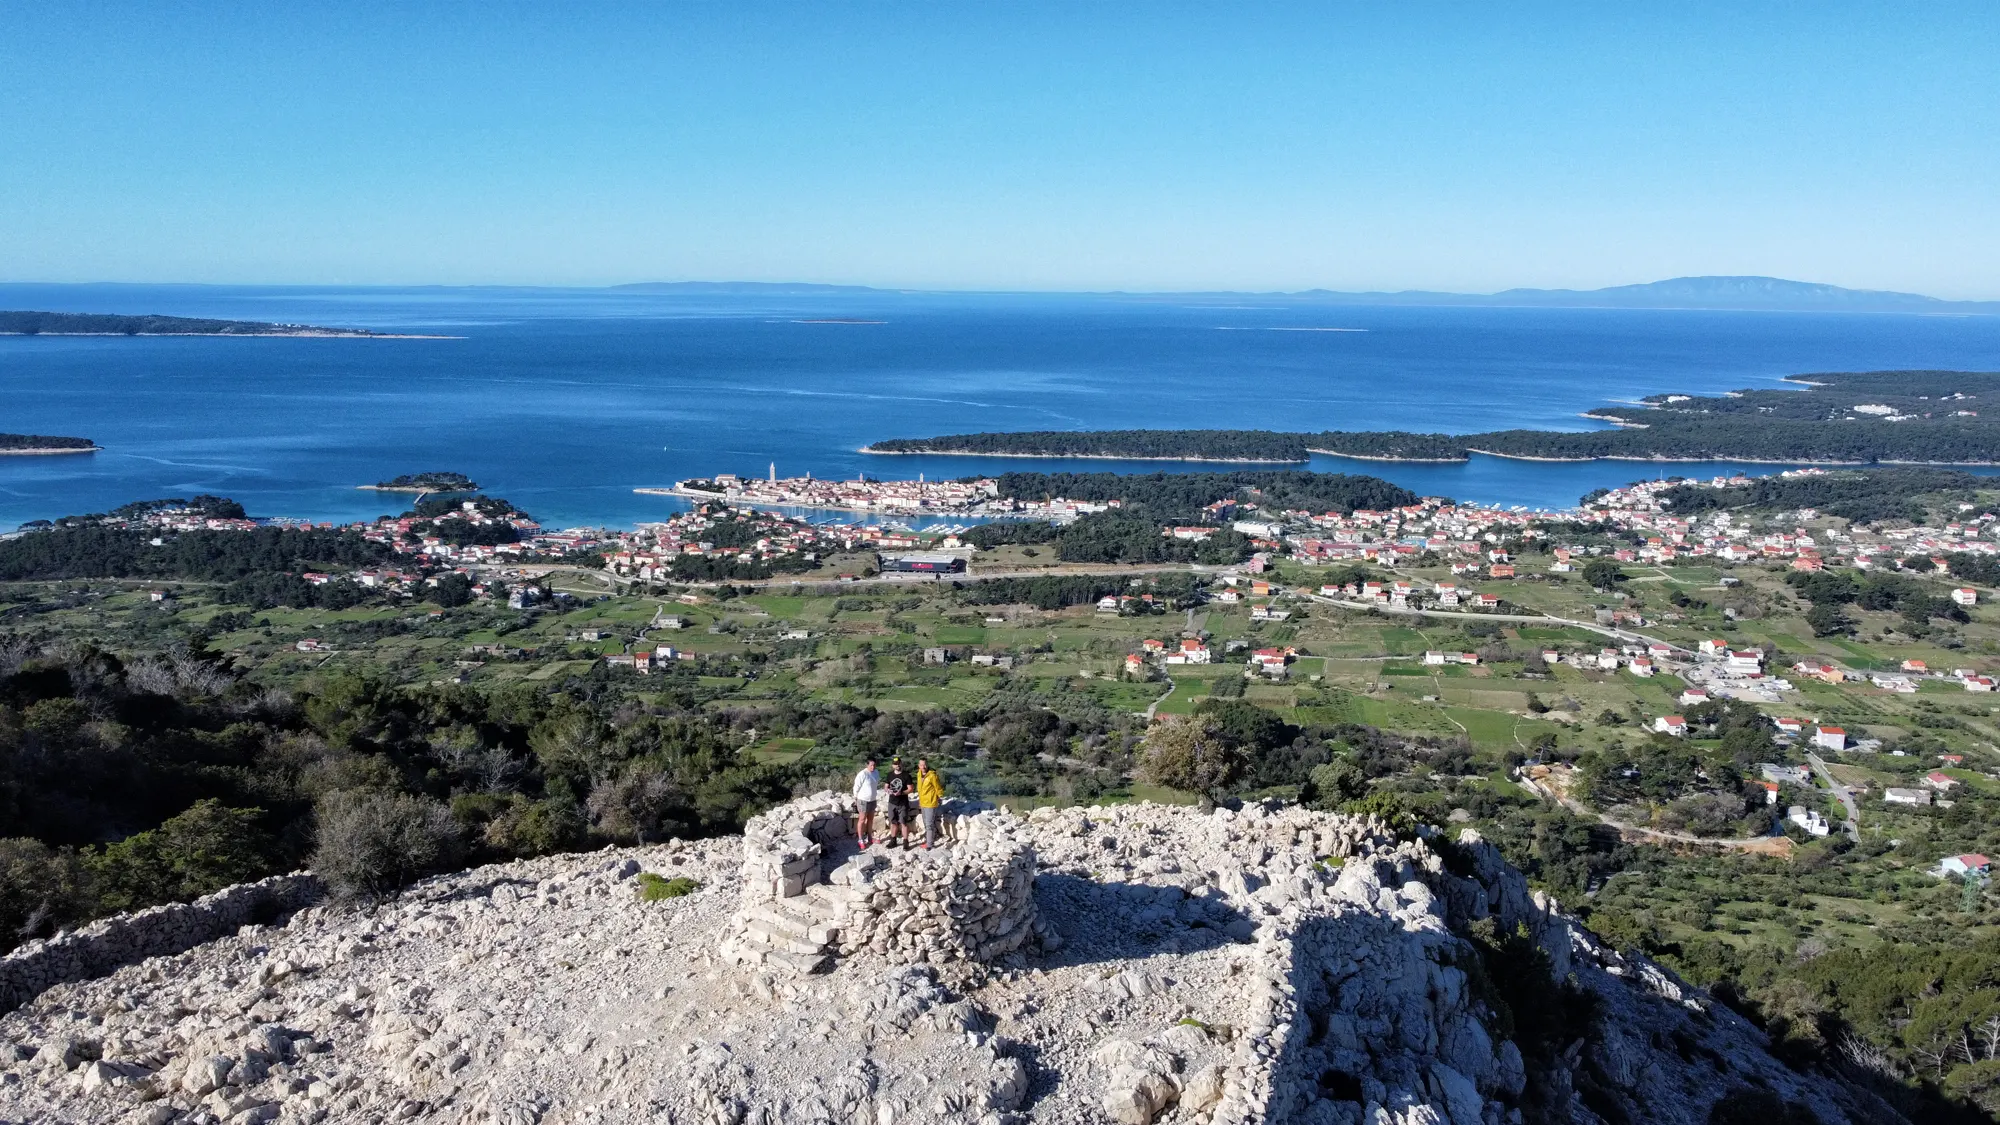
pixel 564 401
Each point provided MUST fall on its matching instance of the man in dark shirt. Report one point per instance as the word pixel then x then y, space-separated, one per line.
pixel 897 788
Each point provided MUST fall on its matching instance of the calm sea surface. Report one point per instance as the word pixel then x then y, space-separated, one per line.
pixel 564 401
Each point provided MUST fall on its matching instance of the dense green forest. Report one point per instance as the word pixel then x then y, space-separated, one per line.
pixel 1832 396
pixel 1140 445
pixel 1667 437
pixel 1131 533
pixel 202 504
pixel 43 441
pixel 1692 437
pixel 1936 414
pixel 431 482
pixel 125 782
pixel 1388 445
pixel 1863 496
pixel 111 324
pixel 1183 496
pixel 210 556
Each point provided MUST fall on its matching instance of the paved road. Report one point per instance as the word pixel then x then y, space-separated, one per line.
pixel 791 580
pixel 1845 794
pixel 1521 618
pixel 979 576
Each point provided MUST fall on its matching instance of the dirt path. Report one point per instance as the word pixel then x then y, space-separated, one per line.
pixel 1763 845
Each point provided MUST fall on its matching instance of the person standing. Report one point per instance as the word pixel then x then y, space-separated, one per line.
pixel 866 785
pixel 930 794
pixel 896 789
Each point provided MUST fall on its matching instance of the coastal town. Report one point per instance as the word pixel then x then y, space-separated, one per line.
pixel 977 498
pixel 747 521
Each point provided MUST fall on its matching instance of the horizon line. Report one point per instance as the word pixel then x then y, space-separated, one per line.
pixel 803 288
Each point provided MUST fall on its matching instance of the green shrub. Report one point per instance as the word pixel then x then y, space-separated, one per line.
pixel 203 849
pixel 374 844
pixel 653 888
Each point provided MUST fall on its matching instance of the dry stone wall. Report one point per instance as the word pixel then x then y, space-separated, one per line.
pixel 973 901
pixel 104 946
pixel 808 892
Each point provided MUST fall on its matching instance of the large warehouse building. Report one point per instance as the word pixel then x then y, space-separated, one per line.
pixel 923 564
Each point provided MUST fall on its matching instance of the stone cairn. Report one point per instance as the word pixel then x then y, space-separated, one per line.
pixel 808 894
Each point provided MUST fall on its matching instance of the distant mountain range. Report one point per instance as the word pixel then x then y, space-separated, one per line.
pixel 1720 293
pixel 750 288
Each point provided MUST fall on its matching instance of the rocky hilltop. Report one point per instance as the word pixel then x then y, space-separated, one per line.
pixel 1132 964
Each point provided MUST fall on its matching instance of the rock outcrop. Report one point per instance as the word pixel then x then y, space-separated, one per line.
pixel 1137 964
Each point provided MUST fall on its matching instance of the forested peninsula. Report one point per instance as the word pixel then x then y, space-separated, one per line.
pixel 1130 532
pixel 43 443
pixel 112 324
pixel 1907 417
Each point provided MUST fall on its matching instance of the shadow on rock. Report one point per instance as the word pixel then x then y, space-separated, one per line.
pixel 1125 921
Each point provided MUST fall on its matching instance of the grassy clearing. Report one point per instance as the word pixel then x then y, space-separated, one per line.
pixel 1188 691
pixel 782 751
pixel 1492 729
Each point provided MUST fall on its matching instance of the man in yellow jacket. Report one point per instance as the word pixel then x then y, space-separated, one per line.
pixel 930 794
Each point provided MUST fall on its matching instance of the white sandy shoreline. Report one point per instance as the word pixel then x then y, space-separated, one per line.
pixel 50 452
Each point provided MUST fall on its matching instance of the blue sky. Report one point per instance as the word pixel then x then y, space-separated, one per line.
pixel 1065 146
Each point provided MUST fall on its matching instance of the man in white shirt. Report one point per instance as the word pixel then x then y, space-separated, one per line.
pixel 866 783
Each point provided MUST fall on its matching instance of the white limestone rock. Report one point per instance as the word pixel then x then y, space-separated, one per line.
pixel 1134 962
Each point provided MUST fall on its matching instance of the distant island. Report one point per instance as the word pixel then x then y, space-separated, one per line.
pixel 1848 418
pixel 1733 293
pixel 1243 447
pixel 744 288
pixel 112 324
pixel 1718 292
pixel 30 444
pixel 426 482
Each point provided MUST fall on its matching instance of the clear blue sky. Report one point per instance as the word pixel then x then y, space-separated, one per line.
pixel 1094 145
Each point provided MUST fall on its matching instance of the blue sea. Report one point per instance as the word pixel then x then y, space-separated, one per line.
pixel 564 401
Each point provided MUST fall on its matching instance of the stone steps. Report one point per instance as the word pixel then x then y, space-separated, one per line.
pixel 796 933
pixel 744 949
pixel 784 933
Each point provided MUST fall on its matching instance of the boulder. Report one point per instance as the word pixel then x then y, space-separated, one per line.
pixel 1135 1097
